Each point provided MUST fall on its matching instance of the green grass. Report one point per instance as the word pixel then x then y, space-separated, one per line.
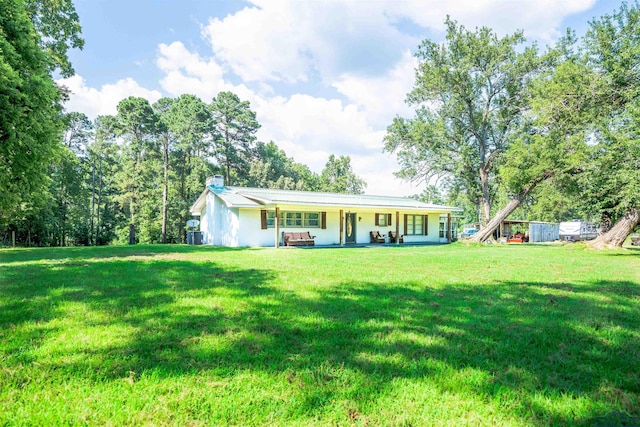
pixel 402 336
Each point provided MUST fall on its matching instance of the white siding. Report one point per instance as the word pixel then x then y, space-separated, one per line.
pixel 433 224
pixel 219 224
pixel 234 227
pixel 251 233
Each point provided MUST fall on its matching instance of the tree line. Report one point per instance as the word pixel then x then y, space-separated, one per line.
pixel 132 177
pixel 508 129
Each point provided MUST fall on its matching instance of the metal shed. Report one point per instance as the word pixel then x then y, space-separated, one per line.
pixel 544 232
pixel 537 231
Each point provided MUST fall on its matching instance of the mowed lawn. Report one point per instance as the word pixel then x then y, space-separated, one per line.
pixel 399 336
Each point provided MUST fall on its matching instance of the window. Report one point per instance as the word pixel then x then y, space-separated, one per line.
pixel 271 219
pixel 295 219
pixel 415 225
pixel 443 227
pixel 383 220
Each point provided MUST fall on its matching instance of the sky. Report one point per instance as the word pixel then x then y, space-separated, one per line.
pixel 324 76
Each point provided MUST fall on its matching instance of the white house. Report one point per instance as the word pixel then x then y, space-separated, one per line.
pixel 237 216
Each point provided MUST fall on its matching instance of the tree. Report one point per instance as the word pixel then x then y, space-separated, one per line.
pixel 34 38
pixel 68 174
pixel 273 169
pixel 338 177
pixel 470 95
pixel 189 123
pixel 102 159
pixel 137 124
pixel 553 139
pixel 161 108
pixel 234 129
pixel 612 184
pixel 431 194
pixel 57 23
pixel 30 123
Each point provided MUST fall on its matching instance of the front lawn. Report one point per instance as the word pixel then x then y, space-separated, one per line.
pixel 402 336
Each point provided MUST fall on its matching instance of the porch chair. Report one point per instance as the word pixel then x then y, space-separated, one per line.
pixel 376 237
pixel 393 237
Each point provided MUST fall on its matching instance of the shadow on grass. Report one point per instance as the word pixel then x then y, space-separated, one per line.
pixel 16 255
pixel 633 251
pixel 525 339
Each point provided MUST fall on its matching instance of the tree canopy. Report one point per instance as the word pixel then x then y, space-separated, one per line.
pixel 34 39
pixel 469 94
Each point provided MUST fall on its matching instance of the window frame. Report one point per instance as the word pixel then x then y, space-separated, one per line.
pixel 297 219
pixel 410 224
pixel 383 219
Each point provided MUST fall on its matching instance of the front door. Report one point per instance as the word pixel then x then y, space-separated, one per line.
pixel 350 228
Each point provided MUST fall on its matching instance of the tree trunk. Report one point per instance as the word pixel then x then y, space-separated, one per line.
pixel 487 231
pixel 165 190
pixel 495 222
pixel 99 202
pixel 132 226
pixel 485 199
pixel 615 237
pixel 93 201
pixel 132 234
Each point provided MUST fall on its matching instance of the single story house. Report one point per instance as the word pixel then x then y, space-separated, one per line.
pixel 237 216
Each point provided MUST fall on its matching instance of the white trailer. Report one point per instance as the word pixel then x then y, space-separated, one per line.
pixel 575 231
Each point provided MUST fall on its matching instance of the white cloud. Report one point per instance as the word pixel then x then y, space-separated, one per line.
pixel 539 19
pixel 94 102
pixel 188 72
pixel 381 97
pixel 292 40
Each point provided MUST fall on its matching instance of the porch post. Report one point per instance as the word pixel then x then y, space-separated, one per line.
pixel 449 227
pixel 397 228
pixel 341 225
pixel 277 228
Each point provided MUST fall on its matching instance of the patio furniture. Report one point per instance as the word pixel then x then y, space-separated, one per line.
pixel 393 237
pixel 298 238
pixel 376 237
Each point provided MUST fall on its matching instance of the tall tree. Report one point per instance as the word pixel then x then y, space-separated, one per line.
pixel 273 169
pixel 552 141
pixel 338 177
pixel 189 123
pixel 68 176
pixel 235 126
pixel 613 180
pixel 58 25
pixel 162 107
pixel 30 102
pixel 102 158
pixel 137 124
pixel 469 93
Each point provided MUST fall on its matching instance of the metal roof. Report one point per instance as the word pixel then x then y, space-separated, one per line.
pixel 233 199
pixel 254 197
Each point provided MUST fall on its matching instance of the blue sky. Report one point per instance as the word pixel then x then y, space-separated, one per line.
pixel 325 77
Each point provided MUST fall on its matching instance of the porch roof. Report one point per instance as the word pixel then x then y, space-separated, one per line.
pixel 266 197
pixel 244 197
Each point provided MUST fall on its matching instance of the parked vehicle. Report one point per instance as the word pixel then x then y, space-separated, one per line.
pixel 575 231
pixel 466 233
